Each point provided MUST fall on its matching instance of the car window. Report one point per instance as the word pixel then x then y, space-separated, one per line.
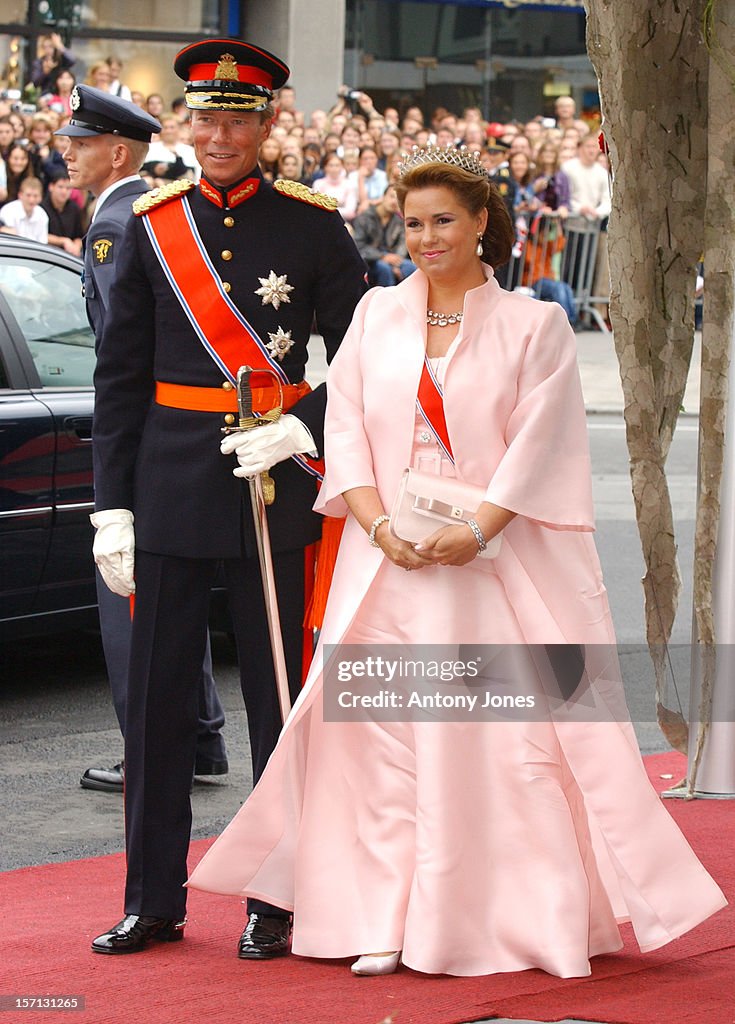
pixel 46 301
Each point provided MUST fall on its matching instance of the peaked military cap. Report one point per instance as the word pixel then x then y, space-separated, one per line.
pixel 94 112
pixel 226 74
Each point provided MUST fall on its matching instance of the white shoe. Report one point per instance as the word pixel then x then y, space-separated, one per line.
pixel 373 964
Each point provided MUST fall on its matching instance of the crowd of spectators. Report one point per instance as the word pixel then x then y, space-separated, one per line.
pixel 547 169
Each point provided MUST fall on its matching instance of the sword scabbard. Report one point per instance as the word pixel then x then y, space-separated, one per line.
pixel 262 491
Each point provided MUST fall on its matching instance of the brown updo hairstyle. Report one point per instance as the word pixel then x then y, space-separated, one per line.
pixel 473 193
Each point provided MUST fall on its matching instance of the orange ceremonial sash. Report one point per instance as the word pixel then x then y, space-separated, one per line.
pixel 430 403
pixel 224 332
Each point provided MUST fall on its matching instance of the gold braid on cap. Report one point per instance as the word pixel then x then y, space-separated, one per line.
pixel 214 100
pixel 455 156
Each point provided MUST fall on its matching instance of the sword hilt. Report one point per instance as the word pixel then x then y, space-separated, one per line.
pixel 248 421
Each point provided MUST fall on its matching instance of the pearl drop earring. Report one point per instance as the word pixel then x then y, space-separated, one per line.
pixel 478 250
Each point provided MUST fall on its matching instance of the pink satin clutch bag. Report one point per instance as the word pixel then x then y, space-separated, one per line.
pixel 426 501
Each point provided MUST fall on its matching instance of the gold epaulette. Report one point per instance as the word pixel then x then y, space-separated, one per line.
pixel 295 190
pixel 163 194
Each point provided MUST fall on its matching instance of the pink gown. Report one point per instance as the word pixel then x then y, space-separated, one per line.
pixel 524 841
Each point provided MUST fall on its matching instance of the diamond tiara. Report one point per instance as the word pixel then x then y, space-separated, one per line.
pixel 454 156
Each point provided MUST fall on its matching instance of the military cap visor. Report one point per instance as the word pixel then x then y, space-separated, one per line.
pixel 94 112
pixel 227 74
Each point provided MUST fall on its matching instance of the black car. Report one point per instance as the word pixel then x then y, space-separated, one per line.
pixel 46 402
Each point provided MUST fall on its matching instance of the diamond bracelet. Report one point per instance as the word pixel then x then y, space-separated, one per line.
pixel 481 542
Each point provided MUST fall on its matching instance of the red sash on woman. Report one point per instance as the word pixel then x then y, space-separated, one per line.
pixel 430 403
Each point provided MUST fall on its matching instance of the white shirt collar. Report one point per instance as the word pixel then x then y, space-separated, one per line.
pixel 109 190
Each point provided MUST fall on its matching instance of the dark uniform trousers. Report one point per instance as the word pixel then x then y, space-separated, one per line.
pixel 161 729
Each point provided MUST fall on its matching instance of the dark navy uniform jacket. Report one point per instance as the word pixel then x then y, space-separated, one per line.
pixel 103 248
pixel 165 464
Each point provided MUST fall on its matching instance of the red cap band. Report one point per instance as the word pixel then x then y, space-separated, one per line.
pixel 246 74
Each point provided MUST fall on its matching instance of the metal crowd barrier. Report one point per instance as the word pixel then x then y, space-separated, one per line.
pixel 550 252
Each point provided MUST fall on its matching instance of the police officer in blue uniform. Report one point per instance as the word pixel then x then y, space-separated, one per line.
pixel 170 507
pixel 108 143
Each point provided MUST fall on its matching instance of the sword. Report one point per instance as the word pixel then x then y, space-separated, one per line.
pixel 259 486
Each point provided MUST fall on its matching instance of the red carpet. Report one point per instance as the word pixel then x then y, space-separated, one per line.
pixel 52 912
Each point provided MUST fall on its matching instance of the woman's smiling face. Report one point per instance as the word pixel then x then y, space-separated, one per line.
pixel 441 233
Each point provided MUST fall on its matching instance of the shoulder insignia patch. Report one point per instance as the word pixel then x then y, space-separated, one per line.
pixel 171 190
pixel 295 190
pixel 102 249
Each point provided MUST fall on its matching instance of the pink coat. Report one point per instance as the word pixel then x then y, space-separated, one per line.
pixel 516 421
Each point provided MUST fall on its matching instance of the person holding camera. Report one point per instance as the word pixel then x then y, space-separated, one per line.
pixel 353 101
pixel 51 57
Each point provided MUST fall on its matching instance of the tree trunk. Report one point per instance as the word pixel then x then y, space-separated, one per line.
pixel 652 67
pixel 719 262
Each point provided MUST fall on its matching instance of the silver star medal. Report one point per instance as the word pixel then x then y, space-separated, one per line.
pixel 281 342
pixel 274 290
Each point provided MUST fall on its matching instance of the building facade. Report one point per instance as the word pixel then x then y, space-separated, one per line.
pixel 511 58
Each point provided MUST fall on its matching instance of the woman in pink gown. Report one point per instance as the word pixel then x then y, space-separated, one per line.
pixel 470 846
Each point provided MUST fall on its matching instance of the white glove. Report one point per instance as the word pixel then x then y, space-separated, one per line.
pixel 262 447
pixel 114 549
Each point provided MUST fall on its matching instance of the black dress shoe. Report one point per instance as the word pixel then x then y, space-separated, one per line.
pixel 108 780
pixel 134 933
pixel 207 766
pixel 264 938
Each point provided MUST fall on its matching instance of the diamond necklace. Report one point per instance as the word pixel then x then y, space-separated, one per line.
pixel 435 319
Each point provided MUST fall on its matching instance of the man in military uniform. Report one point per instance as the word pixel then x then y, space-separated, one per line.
pixel 211 277
pixel 108 143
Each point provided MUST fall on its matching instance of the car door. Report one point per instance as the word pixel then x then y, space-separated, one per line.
pixel 27 452
pixel 45 318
